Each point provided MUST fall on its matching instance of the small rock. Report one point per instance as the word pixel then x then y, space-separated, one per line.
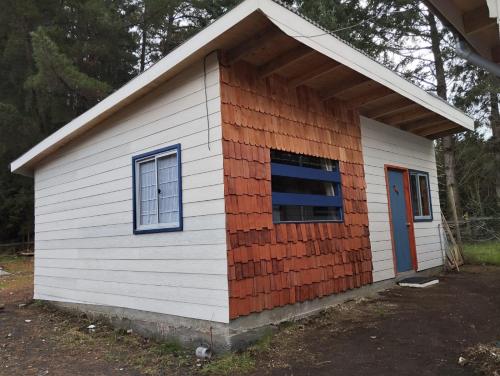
pixel 373 337
pixel 462 361
pixel 129 331
pixel 27 321
pixel 21 305
pixel 2 307
pixel 3 272
pixel 91 328
pixel 9 335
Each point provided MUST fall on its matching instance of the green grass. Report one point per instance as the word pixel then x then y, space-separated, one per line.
pixel 264 343
pixel 167 348
pixel 21 269
pixel 230 364
pixel 239 363
pixel 8 259
pixel 483 253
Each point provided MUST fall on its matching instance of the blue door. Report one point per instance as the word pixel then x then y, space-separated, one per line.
pixel 400 226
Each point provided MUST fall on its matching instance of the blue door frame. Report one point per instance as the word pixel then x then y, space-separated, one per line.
pixel 401 218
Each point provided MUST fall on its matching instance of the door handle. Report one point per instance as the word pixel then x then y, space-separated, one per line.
pixel 407 224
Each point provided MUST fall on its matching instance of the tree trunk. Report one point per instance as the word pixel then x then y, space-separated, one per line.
pixel 144 38
pixel 495 129
pixel 143 48
pixel 448 141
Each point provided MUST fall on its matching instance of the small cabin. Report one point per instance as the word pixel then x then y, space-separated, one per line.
pixel 260 172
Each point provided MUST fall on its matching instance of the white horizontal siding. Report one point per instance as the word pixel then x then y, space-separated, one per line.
pixel 383 145
pixel 85 248
pixel 184 280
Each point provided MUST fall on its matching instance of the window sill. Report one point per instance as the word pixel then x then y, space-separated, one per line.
pixel 422 220
pixel 157 230
pixel 323 221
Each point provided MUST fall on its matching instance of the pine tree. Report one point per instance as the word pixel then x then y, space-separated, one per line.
pixel 161 25
pixel 16 192
pixel 476 91
pixel 60 90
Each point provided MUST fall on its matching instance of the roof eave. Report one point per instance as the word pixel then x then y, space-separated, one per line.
pixel 205 41
pixel 333 47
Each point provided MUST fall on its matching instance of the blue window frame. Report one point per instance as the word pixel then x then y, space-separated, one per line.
pixel 157 191
pixel 420 196
pixel 305 188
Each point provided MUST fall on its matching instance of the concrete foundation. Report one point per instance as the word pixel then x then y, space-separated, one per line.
pixel 236 334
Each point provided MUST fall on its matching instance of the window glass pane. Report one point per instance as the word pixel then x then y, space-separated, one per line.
pixel 414 195
pixel 147 193
pixel 424 195
pixel 285 184
pixel 168 189
pixel 284 213
pixel 293 159
pixel 292 213
pixel 320 213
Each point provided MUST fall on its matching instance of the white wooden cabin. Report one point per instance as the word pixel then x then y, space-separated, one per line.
pixel 95 249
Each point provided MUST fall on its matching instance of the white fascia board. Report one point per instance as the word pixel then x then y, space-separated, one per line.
pixel 147 78
pixel 493 6
pixel 494 9
pixel 316 38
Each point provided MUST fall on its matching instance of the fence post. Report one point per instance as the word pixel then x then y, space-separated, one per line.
pixel 454 215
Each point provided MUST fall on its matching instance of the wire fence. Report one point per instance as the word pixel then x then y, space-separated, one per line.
pixel 17 247
pixel 480 239
pixel 477 230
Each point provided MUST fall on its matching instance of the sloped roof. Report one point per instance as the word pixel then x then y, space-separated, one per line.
pixel 227 32
pixel 475 21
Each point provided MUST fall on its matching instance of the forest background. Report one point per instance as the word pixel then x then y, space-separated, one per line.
pixel 58 58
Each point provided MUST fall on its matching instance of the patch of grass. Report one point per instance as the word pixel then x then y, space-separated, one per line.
pixel 483 253
pixel 230 364
pixel 39 303
pixel 117 346
pixel 264 343
pixel 167 348
pixel 8 258
pixel 16 264
pixel 21 269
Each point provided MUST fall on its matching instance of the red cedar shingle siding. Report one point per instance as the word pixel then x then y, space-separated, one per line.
pixel 274 265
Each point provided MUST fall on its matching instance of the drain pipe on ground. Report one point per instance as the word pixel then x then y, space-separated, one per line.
pixel 465 52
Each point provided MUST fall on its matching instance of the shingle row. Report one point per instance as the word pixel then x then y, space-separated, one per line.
pixel 271 265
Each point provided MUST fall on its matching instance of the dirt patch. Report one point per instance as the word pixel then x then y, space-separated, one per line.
pixel 484 358
pixel 405 331
pixel 37 339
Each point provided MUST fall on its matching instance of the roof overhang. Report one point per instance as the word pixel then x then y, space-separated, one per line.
pixel 474 21
pixel 302 52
